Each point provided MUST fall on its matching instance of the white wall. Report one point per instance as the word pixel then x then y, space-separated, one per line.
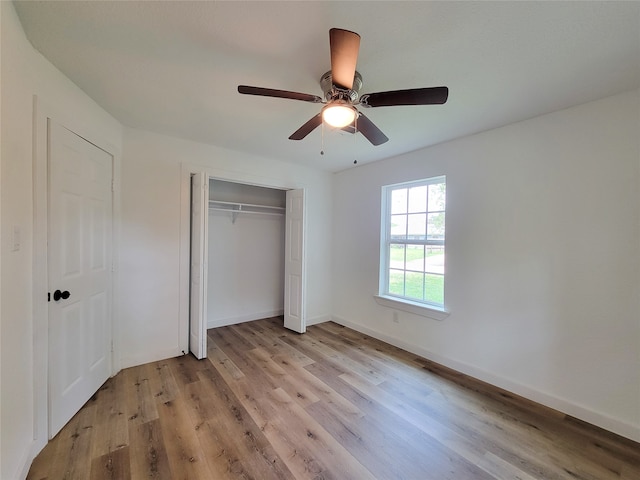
pixel 149 273
pixel 26 73
pixel 543 253
pixel 1 151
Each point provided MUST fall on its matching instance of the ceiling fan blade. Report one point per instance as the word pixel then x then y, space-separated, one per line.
pixel 307 128
pixel 367 128
pixel 414 96
pixel 344 47
pixel 270 92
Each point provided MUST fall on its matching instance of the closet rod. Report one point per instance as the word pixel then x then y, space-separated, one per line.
pixel 242 206
pixel 230 210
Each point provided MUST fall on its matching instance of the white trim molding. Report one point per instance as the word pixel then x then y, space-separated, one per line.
pixel 416 308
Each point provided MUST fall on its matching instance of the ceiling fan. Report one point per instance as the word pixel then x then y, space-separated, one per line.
pixel 341 86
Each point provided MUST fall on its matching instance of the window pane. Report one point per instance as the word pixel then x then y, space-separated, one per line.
pixel 399 200
pixel 398 226
pixel 413 263
pixel 417 226
pixel 396 256
pixel 435 226
pixel 414 286
pixel 434 261
pixel 415 258
pixel 396 282
pixel 437 197
pixel 434 289
pixel 418 199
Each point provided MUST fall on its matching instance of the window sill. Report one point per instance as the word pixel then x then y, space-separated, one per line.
pixel 412 307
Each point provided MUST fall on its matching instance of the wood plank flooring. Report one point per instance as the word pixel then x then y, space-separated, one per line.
pixel 330 404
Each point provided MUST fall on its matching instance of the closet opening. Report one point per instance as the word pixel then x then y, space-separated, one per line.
pixel 245 274
pixel 247 256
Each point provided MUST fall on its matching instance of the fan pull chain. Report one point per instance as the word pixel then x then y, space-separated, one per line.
pixel 355 132
pixel 322 138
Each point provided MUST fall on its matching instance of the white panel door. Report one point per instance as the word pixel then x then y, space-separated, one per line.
pixel 79 268
pixel 199 264
pixel 294 284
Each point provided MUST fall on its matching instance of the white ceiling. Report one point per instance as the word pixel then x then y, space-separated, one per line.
pixel 173 67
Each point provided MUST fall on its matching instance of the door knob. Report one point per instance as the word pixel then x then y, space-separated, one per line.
pixel 57 295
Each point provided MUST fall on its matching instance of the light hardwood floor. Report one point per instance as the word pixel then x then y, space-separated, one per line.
pixel 330 404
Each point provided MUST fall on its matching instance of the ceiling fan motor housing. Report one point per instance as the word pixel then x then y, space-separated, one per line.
pixel 333 93
pixel 343 96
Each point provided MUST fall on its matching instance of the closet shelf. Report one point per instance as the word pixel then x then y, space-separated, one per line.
pixel 236 208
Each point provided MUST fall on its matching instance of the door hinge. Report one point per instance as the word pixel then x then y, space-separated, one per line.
pixel 113 186
pixel 48 296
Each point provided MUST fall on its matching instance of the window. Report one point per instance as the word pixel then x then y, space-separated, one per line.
pixel 413 242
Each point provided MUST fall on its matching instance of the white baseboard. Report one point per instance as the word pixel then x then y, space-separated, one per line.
pixel 565 406
pixel 318 319
pixel 223 322
pixel 135 360
pixel 27 458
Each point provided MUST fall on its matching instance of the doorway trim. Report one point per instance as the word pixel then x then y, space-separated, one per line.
pixel 42 112
pixel 187 170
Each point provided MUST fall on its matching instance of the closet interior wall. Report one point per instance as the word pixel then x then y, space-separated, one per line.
pixel 246 253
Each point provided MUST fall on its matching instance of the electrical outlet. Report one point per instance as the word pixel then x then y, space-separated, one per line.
pixel 395 317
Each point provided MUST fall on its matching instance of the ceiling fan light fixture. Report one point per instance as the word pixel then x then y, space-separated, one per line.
pixel 341 87
pixel 338 115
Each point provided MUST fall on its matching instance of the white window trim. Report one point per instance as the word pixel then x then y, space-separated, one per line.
pixel 417 308
pixel 436 312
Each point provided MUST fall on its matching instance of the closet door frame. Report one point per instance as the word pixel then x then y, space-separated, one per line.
pixel 187 170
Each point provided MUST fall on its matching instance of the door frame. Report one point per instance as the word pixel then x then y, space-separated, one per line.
pixel 42 113
pixel 187 170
